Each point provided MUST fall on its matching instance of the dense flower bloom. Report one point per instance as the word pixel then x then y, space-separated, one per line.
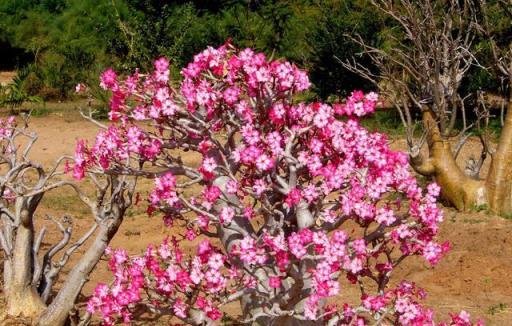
pixel 291 192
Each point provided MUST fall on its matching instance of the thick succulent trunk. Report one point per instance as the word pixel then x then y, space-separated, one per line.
pixel 457 188
pixel 21 296
pixel 460 190
pixel 58 311
pixel 231 236
pixel 252 305
pixel 24 301
pixel 299 289
pixel 251 302
pixel 499 179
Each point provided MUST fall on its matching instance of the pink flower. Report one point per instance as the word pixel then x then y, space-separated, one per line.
pixel 274 282
pixel 190 235
pixel 250 253
pixel 232 187
pixel 180 308
pixel 161 64
pixel 209 164
pixel 216 261
pixel 259 187
pixel 226 215
pixel 264 163
pixel 161 70
pixel 432 252
pixel 322 117
pixel 294 197
pixel 108 79
pixel 249 213
pixel 231 95
pixel 80 88
pixel 385 216
pixel 311 307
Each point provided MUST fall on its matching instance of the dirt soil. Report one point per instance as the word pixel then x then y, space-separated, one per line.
pixel 474 275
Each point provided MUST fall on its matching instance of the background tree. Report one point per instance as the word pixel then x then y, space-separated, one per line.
pixel 497 28
pixel 327 39
pixel 67 42
pixel 434 47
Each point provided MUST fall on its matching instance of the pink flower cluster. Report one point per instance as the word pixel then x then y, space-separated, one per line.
pixel 7 132
pixel 164 271
pixel 113 148
pixel 290 191
pixel 7 128
pixel 357 104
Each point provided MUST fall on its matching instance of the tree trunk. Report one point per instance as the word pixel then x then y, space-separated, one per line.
pixel 252 304
pixel 58 311
pixel 499 179
pixel 22 298
pixel 457 188
pixel 232 236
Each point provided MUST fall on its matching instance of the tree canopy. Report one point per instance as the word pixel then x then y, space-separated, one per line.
pixel 63 42
pixel 68 41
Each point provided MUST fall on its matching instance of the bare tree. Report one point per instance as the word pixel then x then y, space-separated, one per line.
pixel 30 274
pixel 421 75
pixel 499 179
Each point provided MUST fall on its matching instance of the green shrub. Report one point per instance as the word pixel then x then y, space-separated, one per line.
pixel 32 84
pixel 13 95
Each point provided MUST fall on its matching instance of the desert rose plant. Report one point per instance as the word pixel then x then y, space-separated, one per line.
pixel 30 269
pixel 292 204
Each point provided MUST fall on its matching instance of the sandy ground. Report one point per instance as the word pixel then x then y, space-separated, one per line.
pixel 474 276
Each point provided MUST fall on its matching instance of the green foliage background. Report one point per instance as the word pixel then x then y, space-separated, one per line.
pixel 63 42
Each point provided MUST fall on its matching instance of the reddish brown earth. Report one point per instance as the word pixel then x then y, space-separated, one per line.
pixel 476 275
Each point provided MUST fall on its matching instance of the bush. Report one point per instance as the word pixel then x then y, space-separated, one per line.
pixel 288 199
pixel 13 95
pixel 32 83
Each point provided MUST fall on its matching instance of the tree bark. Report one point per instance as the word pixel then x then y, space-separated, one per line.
pixel 305 219
pixel 229 237
pixel 499 179
pixel 58 311
pixel 22 298
pixel 458 189
pixel 252 302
